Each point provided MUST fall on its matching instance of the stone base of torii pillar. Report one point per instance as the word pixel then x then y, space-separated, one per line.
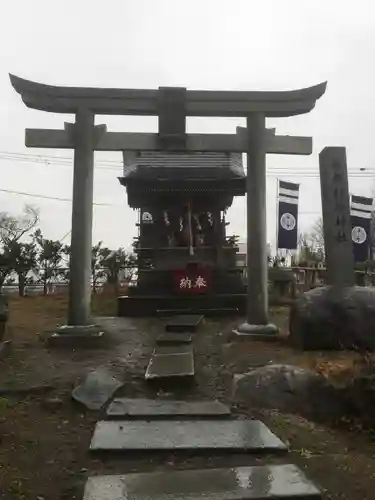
pixel 76 336
pixel 255 332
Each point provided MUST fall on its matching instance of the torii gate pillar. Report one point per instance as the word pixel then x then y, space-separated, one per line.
pixel 81 237
pixel 257 265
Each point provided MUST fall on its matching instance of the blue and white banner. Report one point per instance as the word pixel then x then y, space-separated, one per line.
pixel 361 217
pixel 287 233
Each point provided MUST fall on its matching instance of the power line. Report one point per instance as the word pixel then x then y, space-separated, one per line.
pixel 33 195
pixel 43 158
pixel 55 160
pixel 276 171
pixel 55 198
pixel 116 165
pixel 66 235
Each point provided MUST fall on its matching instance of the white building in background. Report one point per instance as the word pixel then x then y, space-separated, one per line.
pixel 242 253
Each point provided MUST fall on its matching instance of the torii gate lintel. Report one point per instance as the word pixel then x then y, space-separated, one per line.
pixel 128 141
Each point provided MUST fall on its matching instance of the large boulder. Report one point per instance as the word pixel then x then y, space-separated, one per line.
pixel 289 389
pixel 334 318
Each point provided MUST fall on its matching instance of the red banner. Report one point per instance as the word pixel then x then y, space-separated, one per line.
pixel 192 280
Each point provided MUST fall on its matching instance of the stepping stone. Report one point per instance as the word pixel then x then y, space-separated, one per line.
pixel 184 323
pixel 262 482
pixel 173 350
pixel 174 339
pixel 123 407
pixel 239 435
pixel 171 362
pixel 98 388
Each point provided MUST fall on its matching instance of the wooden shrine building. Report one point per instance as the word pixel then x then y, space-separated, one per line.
pixel 185 259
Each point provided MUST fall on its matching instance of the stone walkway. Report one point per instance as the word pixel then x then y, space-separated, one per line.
pixel 134 425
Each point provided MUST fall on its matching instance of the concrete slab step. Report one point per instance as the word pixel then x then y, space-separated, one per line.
pixel 171 362
pixel 170 366
pixel 174 338
pixel 151 408
pixel 184 323
pixel 240 435
pixel 286 482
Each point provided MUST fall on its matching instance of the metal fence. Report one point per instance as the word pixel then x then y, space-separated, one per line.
pixel 288 282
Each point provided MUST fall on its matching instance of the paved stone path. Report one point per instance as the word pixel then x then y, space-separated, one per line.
pixel 190 425
pixel 173 356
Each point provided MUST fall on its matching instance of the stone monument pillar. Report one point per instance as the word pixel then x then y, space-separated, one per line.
pixel 339 315
pixel 336 217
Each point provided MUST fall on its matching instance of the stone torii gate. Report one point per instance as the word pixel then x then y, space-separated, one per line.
pixel 172 106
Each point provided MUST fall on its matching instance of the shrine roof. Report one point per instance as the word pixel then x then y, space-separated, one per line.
pixel 184 166
pixel 143 192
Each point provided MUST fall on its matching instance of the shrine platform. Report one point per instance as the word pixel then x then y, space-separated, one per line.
pixel 209 305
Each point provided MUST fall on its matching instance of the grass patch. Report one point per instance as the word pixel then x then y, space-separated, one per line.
pixel 30 315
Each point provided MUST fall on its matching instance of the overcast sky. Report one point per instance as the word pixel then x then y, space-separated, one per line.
pixel 198 44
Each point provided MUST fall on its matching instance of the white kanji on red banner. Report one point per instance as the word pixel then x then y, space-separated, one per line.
pixel 185 282
pixel 200 282
pixel 195 281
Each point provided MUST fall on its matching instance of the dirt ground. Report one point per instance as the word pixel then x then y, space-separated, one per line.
pixel 45 436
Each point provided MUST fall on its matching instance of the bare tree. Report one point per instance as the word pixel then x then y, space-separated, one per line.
pixel 15 255
pixel 13 228
pixel 50 254
pixel 311 244
pixel 317 235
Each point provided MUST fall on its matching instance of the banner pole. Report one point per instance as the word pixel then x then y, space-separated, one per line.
pixel 277 215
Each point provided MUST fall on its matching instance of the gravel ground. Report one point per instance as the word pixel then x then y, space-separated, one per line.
pixel 45 436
